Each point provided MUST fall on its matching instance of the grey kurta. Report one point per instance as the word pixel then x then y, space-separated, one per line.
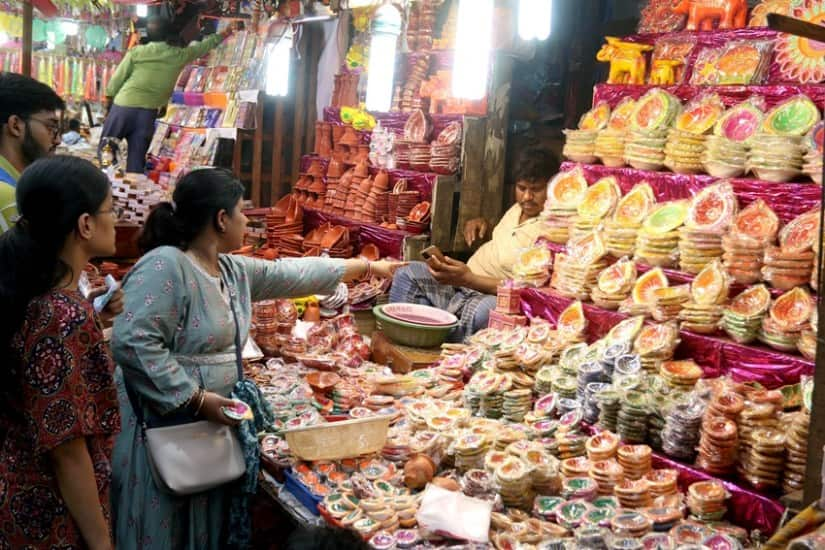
pixel 177 334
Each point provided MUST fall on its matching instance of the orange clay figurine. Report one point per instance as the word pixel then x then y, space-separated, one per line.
pixel 702 14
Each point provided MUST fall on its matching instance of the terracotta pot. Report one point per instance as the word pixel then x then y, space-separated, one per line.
pixel 317 185
pixel 382 181
pixel 363 153
pixel 362 169
pixel 315 168
pixel 337 133
pixel 350 138
pixel 335 169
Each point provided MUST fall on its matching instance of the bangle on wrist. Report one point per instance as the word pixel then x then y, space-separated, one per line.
pixel 200 403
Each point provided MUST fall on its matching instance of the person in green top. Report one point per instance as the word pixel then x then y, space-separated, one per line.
pixel 144 82
pixel 29 130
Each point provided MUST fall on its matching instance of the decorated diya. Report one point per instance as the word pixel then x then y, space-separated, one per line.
pixel 564 193
pixel 658 240
pixel 622 228
pixel 711 212
pixel 801 59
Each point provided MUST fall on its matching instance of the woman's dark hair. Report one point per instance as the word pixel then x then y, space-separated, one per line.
pixel 325 538
pixel 536 165
pixel 197 199
pixel 52 194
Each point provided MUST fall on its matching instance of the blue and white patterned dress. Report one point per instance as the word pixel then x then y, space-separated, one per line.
pixel 177 333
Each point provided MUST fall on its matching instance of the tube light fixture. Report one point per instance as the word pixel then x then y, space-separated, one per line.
pixel 279 57
pixel 141 10
pixel 535 19
pixel 69 28
pixel 386 27
pixel 474 43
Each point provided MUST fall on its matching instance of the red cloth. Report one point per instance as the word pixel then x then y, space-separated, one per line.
pixel 61 389
pixel 716 355
pixel 788 200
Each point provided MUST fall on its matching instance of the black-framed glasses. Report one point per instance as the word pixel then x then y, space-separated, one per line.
pixel 52 127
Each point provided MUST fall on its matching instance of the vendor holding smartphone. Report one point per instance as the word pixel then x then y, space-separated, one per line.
pixel 469 290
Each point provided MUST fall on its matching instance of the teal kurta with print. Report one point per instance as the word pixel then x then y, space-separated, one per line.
pixel 177 333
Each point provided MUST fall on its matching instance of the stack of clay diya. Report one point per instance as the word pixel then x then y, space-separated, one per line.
pixel 709 216
pixel 680 375
pixel 761 441
pixel 632 420
pixel 792 263
pixel 604 468
pixel 470 449
pixel 335 170
pixel 807 338
pixel 752 231
pixel 742 319
pixel 635 460
pixel 655 344
pixel 416 134
pixel 376 206
pixel 789 315
pixel 533 266
pixel 726 151
pixel 719 442
pixel 348 147
pixel 813 157
pixel 610 141
pixel 708 293
pixel 776 152
pixel 515 487
pixel 658 239
pixel 576 272
pixel 796 447
pixel 681 434
pixel 401 201
pixel 580 144
pixel 706 501
pixel 338 191
pixel 598 202
pixel 621 230
pixel 614 284
pixel 332 240
pixel 284 226
pixel 323 139
pixel 668 302
pixel 653 116
pixel 564 193
pixel 418 219
pixel 345 90
pixel 646 293
pixel 310 189
pixel 445 151
pixel 359 190
pixel 686 141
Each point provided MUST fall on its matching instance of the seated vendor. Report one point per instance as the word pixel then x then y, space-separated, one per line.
pixel 469 290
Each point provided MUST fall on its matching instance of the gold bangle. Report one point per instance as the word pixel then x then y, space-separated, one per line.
pixel 200 404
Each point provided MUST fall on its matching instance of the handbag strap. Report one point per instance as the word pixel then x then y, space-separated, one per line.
pixel 133 397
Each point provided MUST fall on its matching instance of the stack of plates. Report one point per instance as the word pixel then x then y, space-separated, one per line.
pixel 573 279
pixel 445 151
pixel 646 151
pixel 776 158
pixel 661 250
pixel 724 158
pixel 580 146
pixel 420 156
pixel 683 152
pixel 787 269
pixel 668 302
pixel 609 147
pixel 743 258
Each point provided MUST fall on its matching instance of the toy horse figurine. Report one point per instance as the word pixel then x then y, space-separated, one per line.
pixel 663 72
pixel 627 61
pixel 702 14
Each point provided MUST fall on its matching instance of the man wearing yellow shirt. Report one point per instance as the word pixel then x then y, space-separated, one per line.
pixel 29 129
pixel 468 290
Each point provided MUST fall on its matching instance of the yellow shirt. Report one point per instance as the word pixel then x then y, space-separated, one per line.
pixel 8 205
pixel 497 257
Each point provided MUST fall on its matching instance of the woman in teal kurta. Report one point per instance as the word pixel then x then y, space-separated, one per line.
pixel 175 340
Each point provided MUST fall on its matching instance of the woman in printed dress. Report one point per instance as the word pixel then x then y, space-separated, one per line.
pixel 59 411
pixel 174 345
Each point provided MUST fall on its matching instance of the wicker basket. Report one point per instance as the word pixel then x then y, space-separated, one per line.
pixel 339 440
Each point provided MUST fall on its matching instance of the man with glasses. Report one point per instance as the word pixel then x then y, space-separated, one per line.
pixel 29 130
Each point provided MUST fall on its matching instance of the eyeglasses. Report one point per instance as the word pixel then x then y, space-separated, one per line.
pixel 53 128
pixel 115 211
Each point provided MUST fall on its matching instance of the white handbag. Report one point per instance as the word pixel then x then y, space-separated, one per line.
pixel 196 456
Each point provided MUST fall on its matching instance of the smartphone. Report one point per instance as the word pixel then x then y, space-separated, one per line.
pixel 432 252
pixel 101 301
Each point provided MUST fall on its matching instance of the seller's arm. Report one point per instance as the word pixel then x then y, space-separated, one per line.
pixel 199 49
pixel 454 273
pixel 76 481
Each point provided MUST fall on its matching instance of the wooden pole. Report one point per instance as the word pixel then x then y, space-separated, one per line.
pixel 816 435
pixel 28 21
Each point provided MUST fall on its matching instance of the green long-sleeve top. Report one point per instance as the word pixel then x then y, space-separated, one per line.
pixel 146 77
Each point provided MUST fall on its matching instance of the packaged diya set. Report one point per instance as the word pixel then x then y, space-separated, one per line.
pixel 726 150
pixel 622 228
pixel 753 230
pixel 657 243
pixel 686 140
pixel 580 144
pixel 787 317
pixel 777 150
pixel 610 141
pixel 709 217
pixel 812 166
pixel 647 291
pixel 792 263
pixel 653 116
pixel 742 318
pixel 614 284
pixel 599 202
pixel 576 272
pixel 708 294
pixel 564 193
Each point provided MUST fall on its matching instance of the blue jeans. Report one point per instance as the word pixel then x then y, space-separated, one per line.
pixel 414 284
pixel 137 126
